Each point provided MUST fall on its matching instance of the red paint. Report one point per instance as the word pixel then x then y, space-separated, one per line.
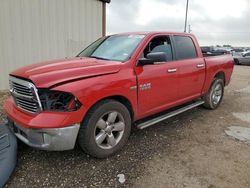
pixel 92 80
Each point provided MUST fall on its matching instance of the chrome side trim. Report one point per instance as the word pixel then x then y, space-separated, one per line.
pixel 200 65
pixel 133 87
pixel 168 115
pixel 172 70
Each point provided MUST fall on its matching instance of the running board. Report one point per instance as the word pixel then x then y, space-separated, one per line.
pixel 158 119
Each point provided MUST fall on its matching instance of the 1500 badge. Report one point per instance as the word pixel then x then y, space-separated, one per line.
pixel 145 86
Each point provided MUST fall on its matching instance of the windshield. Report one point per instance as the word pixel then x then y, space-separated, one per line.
pixel 116 48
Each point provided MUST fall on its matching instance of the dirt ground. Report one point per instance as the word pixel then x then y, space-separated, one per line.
pixel 189 150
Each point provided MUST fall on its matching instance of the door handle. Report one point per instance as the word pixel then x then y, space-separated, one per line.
pixel 172 70
pixel 200 65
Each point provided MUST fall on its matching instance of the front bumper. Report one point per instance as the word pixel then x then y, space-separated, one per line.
pixel 54 139
pixel 55 131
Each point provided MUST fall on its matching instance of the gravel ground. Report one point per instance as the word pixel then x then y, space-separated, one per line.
pixel 3 96
pixel 190 150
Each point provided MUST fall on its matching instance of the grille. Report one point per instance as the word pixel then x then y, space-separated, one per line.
pixel 25 95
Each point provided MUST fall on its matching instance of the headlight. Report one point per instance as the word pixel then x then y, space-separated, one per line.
pixel 58 101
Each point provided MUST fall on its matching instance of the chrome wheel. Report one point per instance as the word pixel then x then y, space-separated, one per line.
pixel 109 130
pixel 217 94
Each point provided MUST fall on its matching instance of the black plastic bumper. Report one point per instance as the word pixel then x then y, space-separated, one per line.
pixel 8 154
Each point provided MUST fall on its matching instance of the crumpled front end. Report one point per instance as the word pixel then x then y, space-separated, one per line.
pixel 49 120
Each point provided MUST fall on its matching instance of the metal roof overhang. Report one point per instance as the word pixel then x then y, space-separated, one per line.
pixel 105 1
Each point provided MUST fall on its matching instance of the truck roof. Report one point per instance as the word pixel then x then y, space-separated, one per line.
pixel 155 33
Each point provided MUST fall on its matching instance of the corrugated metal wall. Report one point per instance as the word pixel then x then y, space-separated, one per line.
pixel 36 30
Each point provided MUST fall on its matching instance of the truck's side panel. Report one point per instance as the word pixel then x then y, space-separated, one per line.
pixel 157 88
pixel 192 79
pixel 215 65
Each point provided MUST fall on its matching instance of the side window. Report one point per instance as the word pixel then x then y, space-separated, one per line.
pixel 159 44
pixel 185 48
pixel 247 54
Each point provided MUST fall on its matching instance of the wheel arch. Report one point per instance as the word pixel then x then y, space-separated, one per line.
pixel 210 79
pixel 220 75
pixel 123 100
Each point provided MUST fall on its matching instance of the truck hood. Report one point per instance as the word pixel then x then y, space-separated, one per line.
pixel 50 73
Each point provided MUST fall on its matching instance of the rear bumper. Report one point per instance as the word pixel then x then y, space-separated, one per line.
pixel 54 139
pixel 55 131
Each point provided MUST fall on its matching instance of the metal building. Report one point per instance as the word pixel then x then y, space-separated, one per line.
pixel 36 30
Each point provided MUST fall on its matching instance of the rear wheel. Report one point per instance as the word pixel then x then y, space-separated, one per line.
pixel 236 62
pixel 105 129
pixel 214 97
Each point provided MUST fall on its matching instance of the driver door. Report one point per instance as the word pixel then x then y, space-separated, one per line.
pixel 157 83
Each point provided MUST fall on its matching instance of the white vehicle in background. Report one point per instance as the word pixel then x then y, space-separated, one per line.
pixel 242 59
pixel 212 50
pixel 237 52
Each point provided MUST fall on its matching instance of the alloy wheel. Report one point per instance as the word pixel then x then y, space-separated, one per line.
pixel 109 130
pixel 217 94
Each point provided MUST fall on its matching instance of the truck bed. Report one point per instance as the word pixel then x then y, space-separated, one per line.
pixel 218 64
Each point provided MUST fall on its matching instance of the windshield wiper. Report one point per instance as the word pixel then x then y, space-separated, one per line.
pixel 99 58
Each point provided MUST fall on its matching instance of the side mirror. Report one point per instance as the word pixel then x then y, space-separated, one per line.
pixel 157 56
pixel 145 61
pixel 152 58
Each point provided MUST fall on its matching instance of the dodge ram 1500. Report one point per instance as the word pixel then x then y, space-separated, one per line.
pixel 119 81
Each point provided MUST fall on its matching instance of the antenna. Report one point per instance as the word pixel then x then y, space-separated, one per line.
pixel 185 26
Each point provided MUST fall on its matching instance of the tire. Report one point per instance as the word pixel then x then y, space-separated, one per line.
pixel 105 129
pixel 236 62
pixel 215 94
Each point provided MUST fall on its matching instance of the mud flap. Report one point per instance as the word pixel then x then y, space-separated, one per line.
pixel 8 154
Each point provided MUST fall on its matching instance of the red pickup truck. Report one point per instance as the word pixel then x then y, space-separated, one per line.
pixel 118 81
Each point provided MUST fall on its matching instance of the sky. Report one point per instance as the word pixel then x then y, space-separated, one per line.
pixel 214 22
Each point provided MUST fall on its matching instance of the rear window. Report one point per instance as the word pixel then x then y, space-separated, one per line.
pixel 184 48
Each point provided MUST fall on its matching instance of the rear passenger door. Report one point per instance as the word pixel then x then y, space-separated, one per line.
pixel 191 68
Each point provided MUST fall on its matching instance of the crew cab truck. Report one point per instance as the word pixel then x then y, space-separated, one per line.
pixel 119 81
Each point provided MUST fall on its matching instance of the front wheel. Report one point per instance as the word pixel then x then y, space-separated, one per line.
pixel 105 129
pixel 214 97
